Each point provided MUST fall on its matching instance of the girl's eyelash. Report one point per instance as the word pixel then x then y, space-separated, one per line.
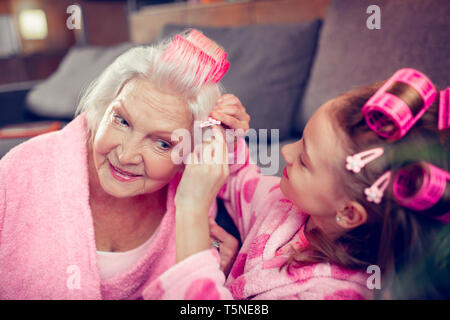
pixel 301 161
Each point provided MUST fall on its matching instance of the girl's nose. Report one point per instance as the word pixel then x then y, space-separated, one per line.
pixel 288 154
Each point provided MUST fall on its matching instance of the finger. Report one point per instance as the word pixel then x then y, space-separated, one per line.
pixel 219 233
pixel 229 102
pixel 229 241
pixel 218 133
pixel 208 153
pixel 240 115
pixel 213 245
pixel 190 157
pixel 227 97
pixel 197 154
pixel 220 146
pixel 228 120
pixel 214 153
pixel 230 110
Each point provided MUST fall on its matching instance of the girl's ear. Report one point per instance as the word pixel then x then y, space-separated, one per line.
pixel 351 215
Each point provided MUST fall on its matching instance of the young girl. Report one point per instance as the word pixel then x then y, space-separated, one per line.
pixel 353 194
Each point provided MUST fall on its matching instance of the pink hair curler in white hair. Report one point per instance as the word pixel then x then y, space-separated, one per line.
pixel 198 54
pixel 213 50
pixel 409 194
pixel 385 110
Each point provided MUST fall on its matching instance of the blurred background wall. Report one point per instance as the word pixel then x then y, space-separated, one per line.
pixel 26 59
pixel 34 54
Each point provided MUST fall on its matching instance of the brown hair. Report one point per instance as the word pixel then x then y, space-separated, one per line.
pixel 390 230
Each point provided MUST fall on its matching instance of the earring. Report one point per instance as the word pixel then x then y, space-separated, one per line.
pixel 338 218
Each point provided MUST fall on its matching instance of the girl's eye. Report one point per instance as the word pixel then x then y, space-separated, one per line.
pixel 120 120
pixel 301 161
pixel 163 144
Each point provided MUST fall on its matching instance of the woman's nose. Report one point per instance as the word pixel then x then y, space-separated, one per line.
pixel 129 154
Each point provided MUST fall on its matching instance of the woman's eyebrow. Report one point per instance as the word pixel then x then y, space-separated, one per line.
pixel 122 107
pixel 166 134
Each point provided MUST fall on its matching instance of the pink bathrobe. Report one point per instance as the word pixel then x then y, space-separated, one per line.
pixel 269 226
pixel 47 241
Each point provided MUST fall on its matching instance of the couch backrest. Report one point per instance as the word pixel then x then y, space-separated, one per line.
pixel 414 33
pixel 146 24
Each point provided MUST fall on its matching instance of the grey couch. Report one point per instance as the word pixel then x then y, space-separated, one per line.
pixel 282 73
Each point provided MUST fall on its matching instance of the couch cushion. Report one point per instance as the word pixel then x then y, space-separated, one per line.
pixel 413 34
pixel 269 67
pixel 58 95
pixel 8 144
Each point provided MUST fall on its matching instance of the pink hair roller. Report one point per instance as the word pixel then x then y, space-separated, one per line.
pixel 214 51
pixel 384 108
pixel 444 109
pixel 430 192
pixel 209 59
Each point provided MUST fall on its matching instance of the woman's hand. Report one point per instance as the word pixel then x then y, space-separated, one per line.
pixel 228 246
pixel 230 111
pixel 205 173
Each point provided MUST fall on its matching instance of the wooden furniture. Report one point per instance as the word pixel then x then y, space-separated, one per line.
pixel 22 68
pixel 146 23
pixel 105 24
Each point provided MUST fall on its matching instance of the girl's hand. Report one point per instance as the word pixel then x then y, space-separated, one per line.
pixel 230 111
pixel 229 246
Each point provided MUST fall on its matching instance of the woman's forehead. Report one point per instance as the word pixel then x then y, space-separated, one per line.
pixel 143 102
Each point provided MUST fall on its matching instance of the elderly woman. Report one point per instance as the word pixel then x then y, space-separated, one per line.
pixel 88 212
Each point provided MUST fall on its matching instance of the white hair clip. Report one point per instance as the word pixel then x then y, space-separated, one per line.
pixel 210 122
pixel 357 161
pixel 376 191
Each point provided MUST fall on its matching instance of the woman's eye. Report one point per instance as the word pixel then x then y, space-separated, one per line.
pixel 163 144
pixel 120 120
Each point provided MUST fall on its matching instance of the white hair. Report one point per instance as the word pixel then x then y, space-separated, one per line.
pixel 178 77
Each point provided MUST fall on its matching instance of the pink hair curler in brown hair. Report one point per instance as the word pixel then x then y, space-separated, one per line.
pixel 391 117
pixel 420 186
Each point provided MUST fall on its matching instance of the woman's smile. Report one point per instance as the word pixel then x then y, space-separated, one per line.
pixel 122 175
